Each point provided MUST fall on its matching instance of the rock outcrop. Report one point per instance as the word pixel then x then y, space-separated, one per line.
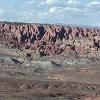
pixel 52 39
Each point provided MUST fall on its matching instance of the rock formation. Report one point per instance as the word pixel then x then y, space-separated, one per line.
pixel 52 39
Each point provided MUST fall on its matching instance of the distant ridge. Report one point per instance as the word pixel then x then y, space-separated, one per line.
pixel 73 25
pixel 86 26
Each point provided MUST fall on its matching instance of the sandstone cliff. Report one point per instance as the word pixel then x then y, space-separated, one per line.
pixel 52 39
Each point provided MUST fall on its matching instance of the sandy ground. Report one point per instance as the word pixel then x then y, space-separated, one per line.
pixel 43 80
pixel 76 83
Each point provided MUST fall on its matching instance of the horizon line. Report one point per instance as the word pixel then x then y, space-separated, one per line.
pixel 62 24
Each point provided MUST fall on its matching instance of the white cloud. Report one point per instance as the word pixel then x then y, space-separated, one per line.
pixel 93 8
pixel 42 2
pixel 27 3
pixel 63 9
pixel 51 1
pixel 93 4
pixel 63 12
pixel 73 2
pixel 72 9
pixel 53 9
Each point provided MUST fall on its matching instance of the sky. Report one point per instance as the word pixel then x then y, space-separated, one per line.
pixel 77 12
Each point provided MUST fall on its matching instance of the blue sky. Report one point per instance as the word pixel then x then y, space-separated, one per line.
pixel 81 12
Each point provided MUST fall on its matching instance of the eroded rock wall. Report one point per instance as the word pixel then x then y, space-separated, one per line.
pixel 53 39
